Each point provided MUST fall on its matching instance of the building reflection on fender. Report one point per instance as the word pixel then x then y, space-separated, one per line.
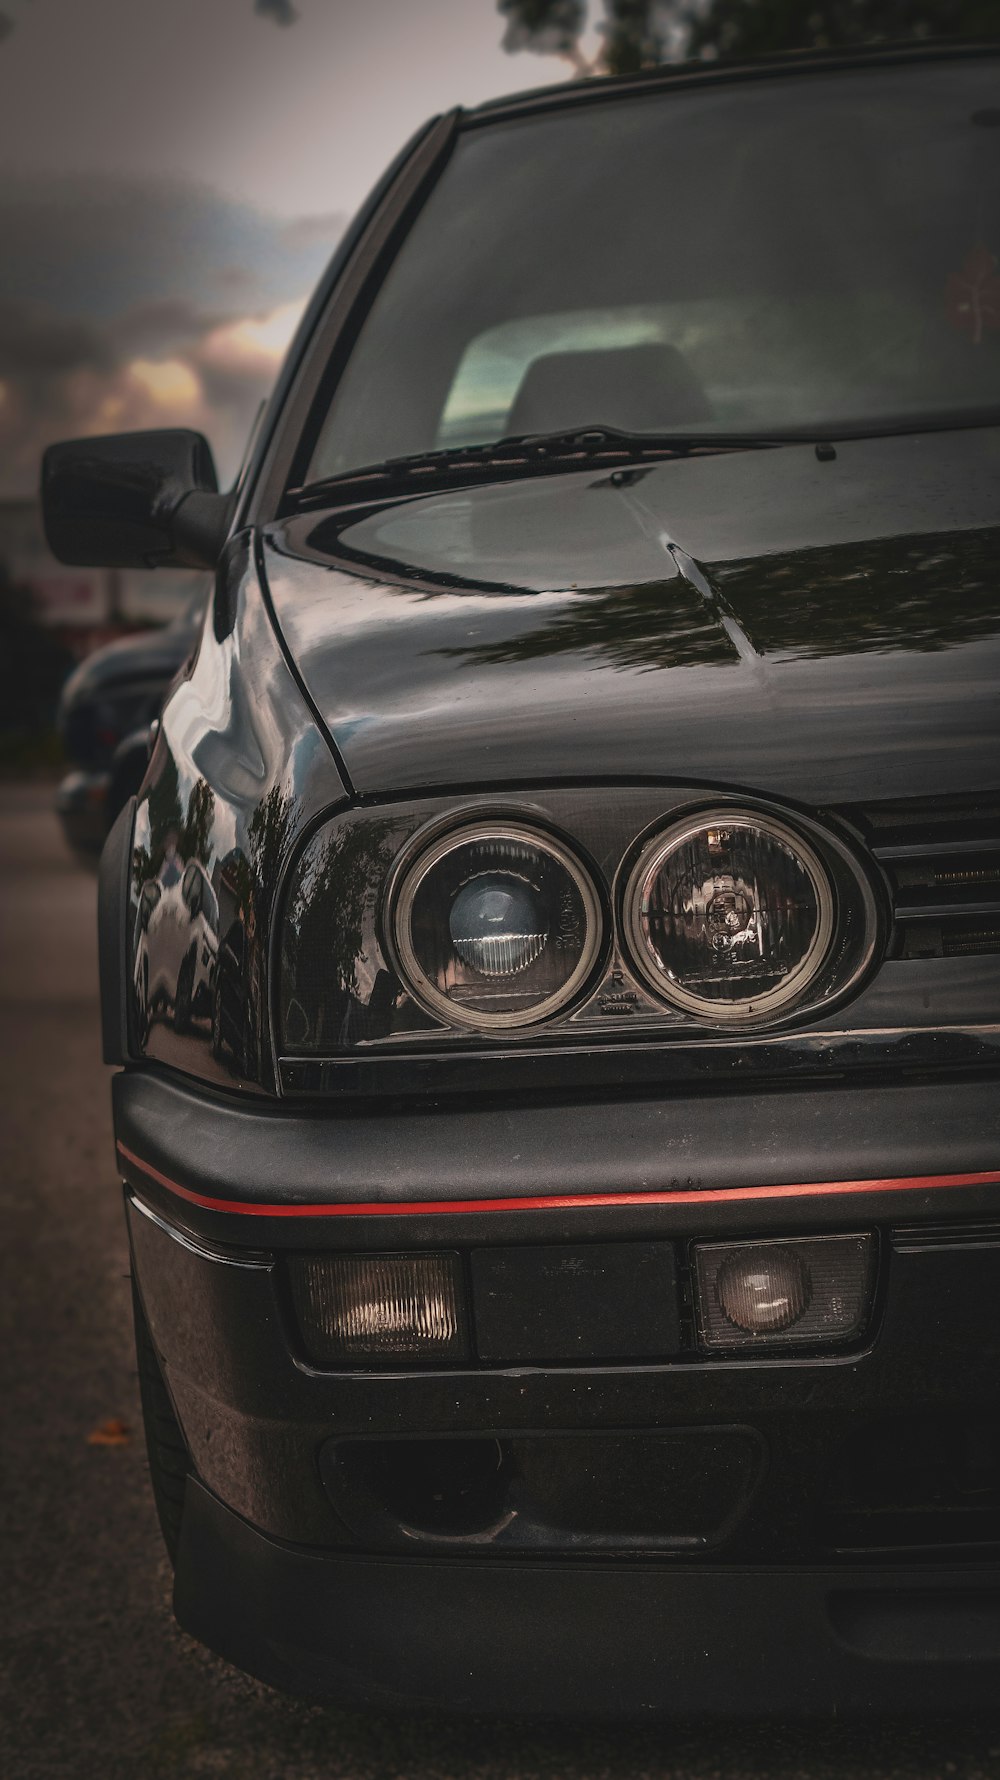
pixel 177 944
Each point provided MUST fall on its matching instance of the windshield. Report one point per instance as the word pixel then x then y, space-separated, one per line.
pixel 813 251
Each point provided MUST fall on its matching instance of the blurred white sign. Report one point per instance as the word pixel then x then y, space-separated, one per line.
pixel 70 597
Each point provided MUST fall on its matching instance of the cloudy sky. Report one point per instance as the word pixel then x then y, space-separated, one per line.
pixel 174 175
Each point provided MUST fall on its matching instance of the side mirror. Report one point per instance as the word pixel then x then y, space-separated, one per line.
pixel 135 501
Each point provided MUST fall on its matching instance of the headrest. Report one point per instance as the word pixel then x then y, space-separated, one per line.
pixel 639 389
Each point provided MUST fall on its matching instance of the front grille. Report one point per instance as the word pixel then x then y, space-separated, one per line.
pixel 942 860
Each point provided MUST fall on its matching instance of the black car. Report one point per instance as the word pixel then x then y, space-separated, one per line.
pixel 107 708
pixel 562 1150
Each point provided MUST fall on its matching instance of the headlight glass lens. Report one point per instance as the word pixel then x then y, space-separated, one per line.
pixel 730 915
pixel 496 927
pixel 496 924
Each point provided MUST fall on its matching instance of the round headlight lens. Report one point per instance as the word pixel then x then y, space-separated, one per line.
pixel 496 927
pixel 497 924
pixel 764 1293
pixel 730 915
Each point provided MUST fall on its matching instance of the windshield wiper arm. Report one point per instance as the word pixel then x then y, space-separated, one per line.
pixel 522 455
pixel 539 454
pixel 599 439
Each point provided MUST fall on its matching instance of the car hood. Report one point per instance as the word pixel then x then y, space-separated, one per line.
pixel 826 630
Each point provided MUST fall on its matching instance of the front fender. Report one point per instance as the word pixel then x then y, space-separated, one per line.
pixel 239 768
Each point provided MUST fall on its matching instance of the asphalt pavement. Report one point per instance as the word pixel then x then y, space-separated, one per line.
pixel 96 1680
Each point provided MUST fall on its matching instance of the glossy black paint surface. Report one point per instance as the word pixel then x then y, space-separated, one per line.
pixel 238 770
pixel 760 621
pixel 860 668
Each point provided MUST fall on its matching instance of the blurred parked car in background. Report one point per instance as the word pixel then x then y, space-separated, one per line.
pixel 106 712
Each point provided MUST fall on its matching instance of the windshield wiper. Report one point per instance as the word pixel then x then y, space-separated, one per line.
pixel 539 454
pixel 531 454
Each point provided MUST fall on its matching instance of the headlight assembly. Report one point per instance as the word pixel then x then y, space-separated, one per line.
pixel 413 927
pixel 729 915
pixel 495 926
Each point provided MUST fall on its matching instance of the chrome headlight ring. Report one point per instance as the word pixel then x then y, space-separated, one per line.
pixel 730 915
pixel 544 907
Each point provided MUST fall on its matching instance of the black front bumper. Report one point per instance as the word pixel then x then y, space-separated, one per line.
pixel 573 1639
pixel 825 1581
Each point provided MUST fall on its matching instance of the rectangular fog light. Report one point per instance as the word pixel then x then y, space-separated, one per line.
pixel 802 1292
pixel 380 1308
